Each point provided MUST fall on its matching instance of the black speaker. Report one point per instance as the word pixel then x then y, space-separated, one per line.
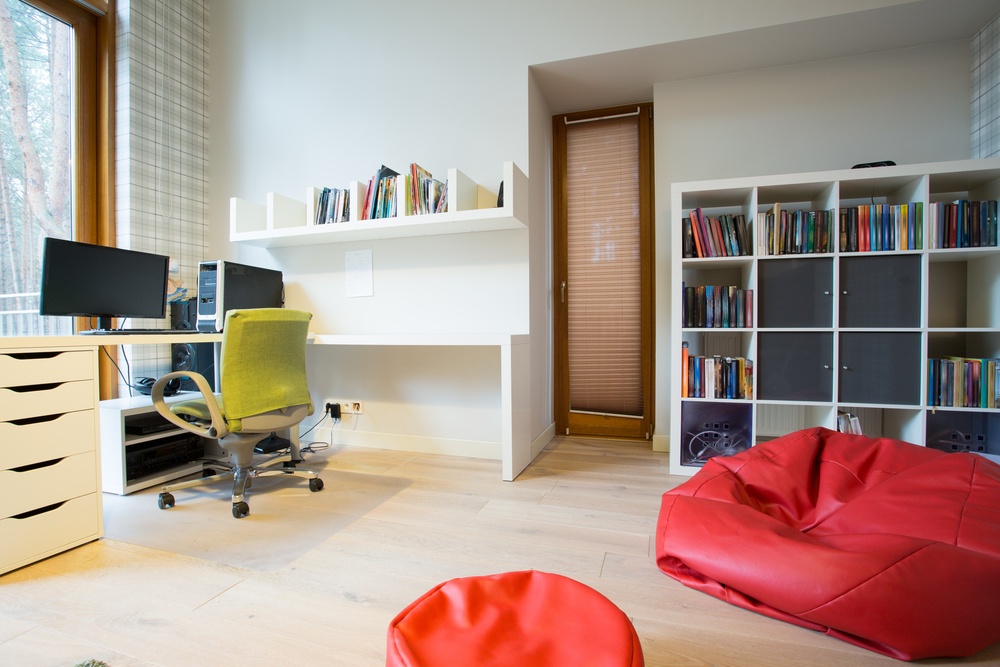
pixel 197 357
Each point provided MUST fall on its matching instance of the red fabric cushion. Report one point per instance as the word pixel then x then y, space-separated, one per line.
pixel 528 619
pixel 877 542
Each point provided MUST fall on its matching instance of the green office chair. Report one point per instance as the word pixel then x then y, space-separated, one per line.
pixel 263 389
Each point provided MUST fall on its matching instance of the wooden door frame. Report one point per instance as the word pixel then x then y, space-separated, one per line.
pixel 587 423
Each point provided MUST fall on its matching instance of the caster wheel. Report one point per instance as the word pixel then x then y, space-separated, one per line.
pixel 165 501
pixel 316 484
pixel 240 510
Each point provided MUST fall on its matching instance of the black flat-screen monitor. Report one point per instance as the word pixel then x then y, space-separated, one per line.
pixel 87 280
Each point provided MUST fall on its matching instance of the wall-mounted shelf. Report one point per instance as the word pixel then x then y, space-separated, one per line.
pixel 284 222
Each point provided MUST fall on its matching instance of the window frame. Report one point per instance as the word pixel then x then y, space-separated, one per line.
pixel 93 24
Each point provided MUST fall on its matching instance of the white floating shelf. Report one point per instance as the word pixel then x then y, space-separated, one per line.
pixel 286 222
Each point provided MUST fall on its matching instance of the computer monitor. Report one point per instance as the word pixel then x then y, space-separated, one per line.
pixel 87 280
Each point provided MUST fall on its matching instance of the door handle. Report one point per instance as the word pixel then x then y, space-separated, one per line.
pixel 562 291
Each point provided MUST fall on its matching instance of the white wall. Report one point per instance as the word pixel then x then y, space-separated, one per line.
pixel 312 92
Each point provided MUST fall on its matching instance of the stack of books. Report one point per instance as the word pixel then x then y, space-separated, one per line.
pixel 716 376
pixel 963 224
pixel 723 236
pixel 880 227
pixel 961 382
pixel 392 194
pixel 332 205
pixel 785 232
pixel 717 306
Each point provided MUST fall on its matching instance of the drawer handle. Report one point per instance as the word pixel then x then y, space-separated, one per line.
pixel 40 510
pixel 25 388
pixel 35 420
pixel 37 466
pixel 33 355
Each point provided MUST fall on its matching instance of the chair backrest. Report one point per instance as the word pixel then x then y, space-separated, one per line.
pixel 263 362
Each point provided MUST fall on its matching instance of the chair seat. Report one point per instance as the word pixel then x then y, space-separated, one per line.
pixel 877 542
pixel 528 619
pixel 197 408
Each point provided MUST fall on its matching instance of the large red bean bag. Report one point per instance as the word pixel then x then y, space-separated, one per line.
pixel 880 543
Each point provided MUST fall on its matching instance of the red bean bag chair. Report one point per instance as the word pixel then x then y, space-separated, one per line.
pixel 880 543
pixel 522 619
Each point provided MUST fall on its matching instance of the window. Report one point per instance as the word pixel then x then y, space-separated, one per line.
pixel 54 145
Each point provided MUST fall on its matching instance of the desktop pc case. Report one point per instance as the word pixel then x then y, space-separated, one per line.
pixel 224 286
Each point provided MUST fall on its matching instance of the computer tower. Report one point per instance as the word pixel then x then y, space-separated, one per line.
pixel 197 357
pixel 225 286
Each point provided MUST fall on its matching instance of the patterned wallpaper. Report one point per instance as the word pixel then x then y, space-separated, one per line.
pixel 162 149
pixel 986 91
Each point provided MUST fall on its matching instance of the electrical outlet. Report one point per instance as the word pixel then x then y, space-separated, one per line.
pixel 348 407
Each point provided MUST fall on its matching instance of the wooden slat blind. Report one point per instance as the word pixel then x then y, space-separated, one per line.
pixel 603 286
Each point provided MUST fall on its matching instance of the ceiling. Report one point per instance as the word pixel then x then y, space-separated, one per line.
pixel 623 77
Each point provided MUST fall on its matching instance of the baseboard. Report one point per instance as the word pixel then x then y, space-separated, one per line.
pixel 543 440
pixel 406 443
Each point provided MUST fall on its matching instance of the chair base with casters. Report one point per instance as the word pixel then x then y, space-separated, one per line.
pixel 241 472
pixel 240 468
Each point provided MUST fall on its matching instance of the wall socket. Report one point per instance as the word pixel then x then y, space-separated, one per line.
pixel 348 407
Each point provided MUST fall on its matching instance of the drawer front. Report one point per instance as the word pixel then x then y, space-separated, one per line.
pixel 27 402
pixel 51 437
pixel 23 541
pixel 23 368
pixel 38 486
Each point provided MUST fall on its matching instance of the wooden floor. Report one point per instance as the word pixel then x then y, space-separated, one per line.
pixel 585 508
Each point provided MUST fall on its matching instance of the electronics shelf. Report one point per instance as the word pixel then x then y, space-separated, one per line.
pixel 832 330
pixel 158 455
pixel 284 221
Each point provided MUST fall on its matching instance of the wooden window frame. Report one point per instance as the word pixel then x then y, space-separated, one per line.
pixel 94 56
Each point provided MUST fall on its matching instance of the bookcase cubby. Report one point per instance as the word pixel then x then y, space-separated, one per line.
pixel 855 307
pixel 284 221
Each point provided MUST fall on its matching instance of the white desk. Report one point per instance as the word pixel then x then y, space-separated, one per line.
pixel 515 431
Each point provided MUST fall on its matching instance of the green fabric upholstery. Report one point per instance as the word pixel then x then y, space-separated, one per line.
pixel 197 408
pixel 263 366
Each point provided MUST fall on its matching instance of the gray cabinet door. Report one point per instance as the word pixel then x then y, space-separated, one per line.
pixel 880 291
pixel 795 293
pixel 795 366
pixel 880 367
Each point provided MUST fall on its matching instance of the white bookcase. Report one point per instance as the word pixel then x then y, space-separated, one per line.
pixel 838 332
pixel 284 221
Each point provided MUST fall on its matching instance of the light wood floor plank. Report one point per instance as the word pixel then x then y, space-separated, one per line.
pixel 586 508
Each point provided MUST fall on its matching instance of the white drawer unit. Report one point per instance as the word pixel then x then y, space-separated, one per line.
pixel 50 495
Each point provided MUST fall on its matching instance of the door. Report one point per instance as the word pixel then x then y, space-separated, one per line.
pixel 603 277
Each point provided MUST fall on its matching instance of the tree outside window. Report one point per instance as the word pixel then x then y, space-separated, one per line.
pixel 36 158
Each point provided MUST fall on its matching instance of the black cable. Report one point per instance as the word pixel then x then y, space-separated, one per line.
pixel 117 368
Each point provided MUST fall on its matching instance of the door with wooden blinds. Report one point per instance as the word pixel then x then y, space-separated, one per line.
pixel 603 286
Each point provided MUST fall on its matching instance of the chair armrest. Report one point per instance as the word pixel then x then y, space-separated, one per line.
pixel 217 429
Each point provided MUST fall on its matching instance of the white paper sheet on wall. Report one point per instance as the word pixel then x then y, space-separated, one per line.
pixel 358 273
